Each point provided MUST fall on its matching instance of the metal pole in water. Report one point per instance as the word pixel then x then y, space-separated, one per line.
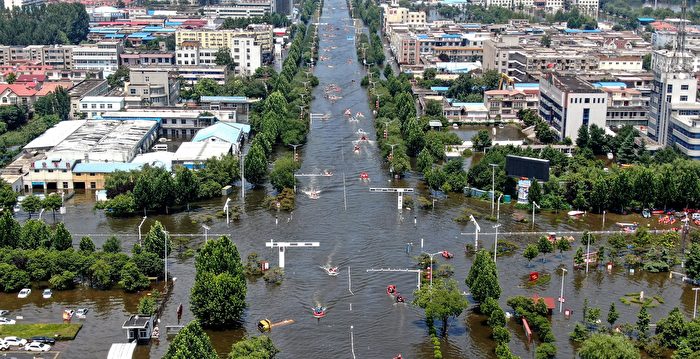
pixel 352 342
pixel 345 195
pixel 350 285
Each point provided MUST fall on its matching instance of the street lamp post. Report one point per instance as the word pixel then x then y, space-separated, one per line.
pixel 561 292
pixel 695 305
pixel 477 229
pixel 498 209
pixel 534 205
pixel 141 224
pixel 588 251
pixel 206 233
pixel 40 213
pixel 431 266
pixel 165 257
pixel 226 210
pixel 493 185
pixel 495 244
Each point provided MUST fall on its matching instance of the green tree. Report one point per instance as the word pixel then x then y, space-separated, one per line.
pixel 11 78
pixel 255 164
pixel 646 62
pixel 563 245
pixel 185 185
pixel 482 279
pixel 223 58
pixel 150 264
pixel 191 342
pixel 260 347
pixel 578 257
pixel 63 281
pixel 643 320
pixel 147 305
pixel 219 291
pixel 531 252
pixel 603 346
pixel 86 245
pixel 535 192
pixel 433 108
pixel 31 204
pixel 155 240
pixel 10 230
pixel 34 234
pixel 154 189
pixel 8 197
pixel 132 280
pixel 546 351
pixel 118 77
pixel 12 279
pixel 692 261
pixel 61 239
pixel 425 160
pixel 52 203
pixel 282 174
pixel 672 329
pixel 112 245
pixel 481 140
pixel 613 315
pixel 583 139
pixel 441 301
pixel 123 205
pixel 544 246
pixel 100 275
pixel 546 41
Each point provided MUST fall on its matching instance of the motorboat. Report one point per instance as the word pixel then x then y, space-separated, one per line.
pixel 81 313
pixel 391 290
pixel 363 138
pixel 646 213
pixel 360 115
pixel 455 126
pixel 314 194
pixel 356 149
pixel 348 112
pixel 447 255
pixel 364 176
pixel 333 271
pixel 46 294
pixel 400 298
pixel 68 314
pixel 319 312
pixel 575 213
pixel 24 293
pixel 327 173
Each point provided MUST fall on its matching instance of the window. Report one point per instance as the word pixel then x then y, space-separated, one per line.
pixel 147 79
pixel 586 116
pixel 93 106
pixel 668 98
pixel 93 185
pixel 132 91
pixel 684 87
pixel 85 106
pixel 109 105
pixel 145 91
pixel 92 174
pixel 684 98
pixel 165 121
pixel 102 106
pixel 77 174
pixel 587 100
pixel 65 185
pixel 183 122
pixel 669 88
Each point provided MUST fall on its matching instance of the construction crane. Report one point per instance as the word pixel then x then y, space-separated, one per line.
pixel 679 61
pixel 507 81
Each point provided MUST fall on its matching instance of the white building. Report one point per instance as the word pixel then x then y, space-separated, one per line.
pixel 567 103
pixel 191 53
pixel 96 106
pixel 103 56
pixel 673 88
pixel 9 4
pixel 246 54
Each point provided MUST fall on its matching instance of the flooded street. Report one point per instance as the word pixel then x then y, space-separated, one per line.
pixel 357 230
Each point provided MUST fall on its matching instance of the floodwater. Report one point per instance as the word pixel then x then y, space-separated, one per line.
pixel 357 230
pixel 506 133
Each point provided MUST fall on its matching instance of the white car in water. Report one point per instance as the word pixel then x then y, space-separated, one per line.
pixel 37 347
pixel 24 293
pixel 15 342
pixel 47 293
pixel 6 321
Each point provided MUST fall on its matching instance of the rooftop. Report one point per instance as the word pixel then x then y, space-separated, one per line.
pixel 54 135
pixel 137 321
pixel 201 151
pixel 105 167
pixel 226 131
pixel 574 84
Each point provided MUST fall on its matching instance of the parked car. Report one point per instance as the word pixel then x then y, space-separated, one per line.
pixel 15 342
pixel 4 320
pixel 47 293
pixel 3 312
pixel 37 347
pixel 24 293
pixel 45 340
pixel 3 345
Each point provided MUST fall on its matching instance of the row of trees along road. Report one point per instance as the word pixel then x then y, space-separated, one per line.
pixel 193 342
pixel 156 189
pixel 34 252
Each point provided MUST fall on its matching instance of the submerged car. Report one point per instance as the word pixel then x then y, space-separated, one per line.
pixel 24 293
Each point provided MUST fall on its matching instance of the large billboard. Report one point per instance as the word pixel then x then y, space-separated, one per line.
pixel 528 167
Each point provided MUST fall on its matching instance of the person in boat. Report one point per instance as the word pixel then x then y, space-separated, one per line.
pixel 399 298
pixel 391 289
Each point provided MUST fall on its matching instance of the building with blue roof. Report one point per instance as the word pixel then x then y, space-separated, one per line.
pixel 610 84
pixel 645 20
pixel 239 104
pixel 229 132
pixel 439 89
pixel 92 175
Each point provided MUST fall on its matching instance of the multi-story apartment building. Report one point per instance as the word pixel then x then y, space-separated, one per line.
pixel 154 87
pixel 404 45
pixel 531 63
pixel 215 39
pixel 236 11
pixel 93 107
pixel 103 56
pixel 674 90
pixel 58 56
pixel 497 52
pixel 567 103
pixel 192 53
pixel 626 106
pixel 621 63
pixel 136 58
pixel 462 47
pixel 9 4
pixel 247 54
pixel 401 15
pixel 505 104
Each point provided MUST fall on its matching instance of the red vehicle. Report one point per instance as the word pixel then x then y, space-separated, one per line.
pixel 391 290
pixel 447 255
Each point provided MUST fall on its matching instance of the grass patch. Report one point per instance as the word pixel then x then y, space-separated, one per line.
pixel 543 279
pixel 56 331
pixel 625 301
pixel 649 302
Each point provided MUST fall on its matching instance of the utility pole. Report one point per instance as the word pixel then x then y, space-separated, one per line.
pixel 493 185
pixel 534 205
pixel 561 292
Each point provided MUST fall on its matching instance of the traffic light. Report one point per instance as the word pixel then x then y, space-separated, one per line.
pixel 390 157
pixel 376 104
pixel 296 157
pixel 386 134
